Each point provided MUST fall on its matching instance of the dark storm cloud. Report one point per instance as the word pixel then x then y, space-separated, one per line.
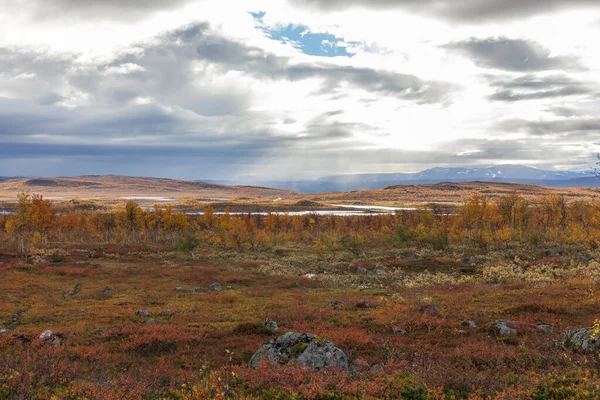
pixel 535 87
pixel 472 11
pixel 512 55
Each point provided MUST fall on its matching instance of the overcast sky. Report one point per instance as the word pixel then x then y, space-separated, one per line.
pixel 296 88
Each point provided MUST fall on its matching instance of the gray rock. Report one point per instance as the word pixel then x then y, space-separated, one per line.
pixel 398 331
pixel 198 289
pixel 359 365
pixel 307 350
pixel 378 367
pixel 582 339
pixel 587 257
pixel 46 334
pixel 544 327
pixel 108 289
pixel 271 325
pixel 150 321
pixel 362 271
pixel 412 256
pixel 378 270
pixel 55 341
pixel 501 327
pixel 2 330
pixel 169 313
pixel 180 289
pixel 365 304
pixel 470 324
pixel 429 309
pixel 215 287
pixel 336 303
pixel 143 313
pixel 100 331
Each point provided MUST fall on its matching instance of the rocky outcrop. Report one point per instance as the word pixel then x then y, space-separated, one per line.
pixel 307 350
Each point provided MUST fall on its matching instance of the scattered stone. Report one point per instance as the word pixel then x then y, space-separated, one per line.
pixel 307 350
pixel 169 313
pixel 2 330
pixel 150 321
pixel 143 313
pixel 101 331
pixel 55 341
pixel 271 326
pixel 180 289
pixel 378 367
pixel 336 303
pixel 412 256
pixel 359 365
pixel 76 290
pixel 295 285
pixel 362 271
pixel 429 309
pixel 378 270
pixel 545 327
pixel 501 327
pixel 398 331
pixel 583 339
pixel 320 271
pixel 587 257
pixel 215 287
pixel 309 276
pixel 466 260
pixel 198 289
pixel 365 304
pixel 470 324
pixel 108 289
pixel 47 334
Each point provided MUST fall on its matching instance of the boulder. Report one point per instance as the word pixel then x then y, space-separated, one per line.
pixel 336 303
pixel 398 331
pixel 378 270
pixel 216 287
pixel 271 326
pixel 143 313
pixel 47 334
pixel 362 271
pixel 365 304
pixel 583 339
pixel 429 309
pixel 504 327
pixel 306 350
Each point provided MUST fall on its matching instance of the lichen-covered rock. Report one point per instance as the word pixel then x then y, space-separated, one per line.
pixel 46 335
pixel 582 339
pixel 307 350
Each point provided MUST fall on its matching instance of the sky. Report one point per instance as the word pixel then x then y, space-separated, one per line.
pixel 296 89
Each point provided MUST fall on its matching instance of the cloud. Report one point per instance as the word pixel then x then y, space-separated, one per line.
pixel 538 87
pixel 471 11
pixel 580 127
pixel 512 55
pixel 45 10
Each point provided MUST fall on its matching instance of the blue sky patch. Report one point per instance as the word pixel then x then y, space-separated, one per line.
pixel 300 36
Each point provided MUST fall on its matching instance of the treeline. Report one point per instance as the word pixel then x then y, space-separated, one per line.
pixel 480 222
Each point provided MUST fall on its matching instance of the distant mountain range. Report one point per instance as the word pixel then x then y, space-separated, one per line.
pixel 501 173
